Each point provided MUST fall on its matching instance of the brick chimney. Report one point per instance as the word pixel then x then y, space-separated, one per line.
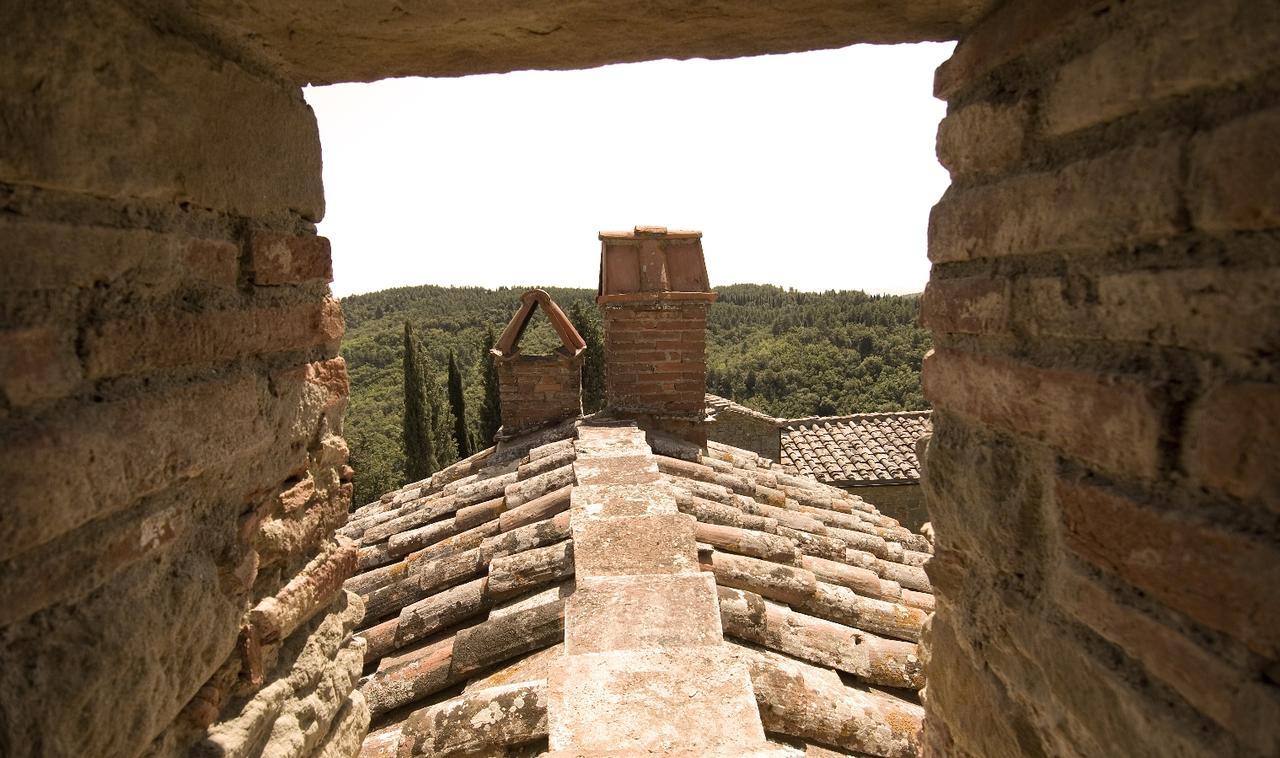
pixel 655 295
pixel 538 390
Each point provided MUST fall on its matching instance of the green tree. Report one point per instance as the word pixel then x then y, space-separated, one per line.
pixel 428 438
pixel 586 320
pixel 458 406
pixel 490 405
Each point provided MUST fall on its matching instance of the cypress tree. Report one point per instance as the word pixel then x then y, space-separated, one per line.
pixel 419 452
pixel 587 321
pixel 490 407
pixel 428 428
pixel 457 404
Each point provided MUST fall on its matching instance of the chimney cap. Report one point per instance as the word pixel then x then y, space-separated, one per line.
pixel 651 232
pixel 508 344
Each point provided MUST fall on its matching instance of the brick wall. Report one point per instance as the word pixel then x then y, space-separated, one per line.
pixel 655 357
pixel 170 398
pixel 536 390
pixel 1104 302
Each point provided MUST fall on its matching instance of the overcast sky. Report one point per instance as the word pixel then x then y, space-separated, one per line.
pixel 814 170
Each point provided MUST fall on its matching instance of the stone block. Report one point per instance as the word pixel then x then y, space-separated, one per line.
pixel 170 338
pixel 37 363
pixel 634 545
pixel 982 138
pixel 1214 310
pixel 1217 577
pixel 1232 441
pixel 617 469
pixel 1186 46
pixel 276 259
pixel 653 701
pixel 642 613
pixel 106 102
pixel 85 464
pixel 1010 31
pixel 1228 695
pixel 623 500
pixel 47 256
pixel 1113 421
pixel 1125 197
pixel 1235 172
pixel 967 305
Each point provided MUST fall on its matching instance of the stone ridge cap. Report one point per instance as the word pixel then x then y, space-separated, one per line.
pixel 790 423
pixel 718 401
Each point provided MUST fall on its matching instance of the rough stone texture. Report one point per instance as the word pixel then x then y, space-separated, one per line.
pixel 1101 480
pixel 333 42
pixel 172 431
pixel 103 103
pixel 739 426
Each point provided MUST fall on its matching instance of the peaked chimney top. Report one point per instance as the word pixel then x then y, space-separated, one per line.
pixel 537 390
pixel 509 343
pixel 652 263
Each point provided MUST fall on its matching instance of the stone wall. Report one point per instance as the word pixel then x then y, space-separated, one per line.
pixel 1103 473
pixel 170 397
pixel 749 431
pixel 904 502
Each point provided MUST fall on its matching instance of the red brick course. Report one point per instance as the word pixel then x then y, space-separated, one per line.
pixel 1221 579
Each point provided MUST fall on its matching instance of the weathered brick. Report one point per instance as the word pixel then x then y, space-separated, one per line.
pixel 982 137
pixel 37 363
pixel 1221 579
pixel 1232 441
pixel 1229 696
pixel 276 259
pixel 88 463
pixel 172 123
pixel 1123 197
pixel 1235 173
pixel 1216 310
pixel 155 340
pixel 1012 30
pixel 38 580
pixel 1185 46
pixel 968 305
pixel 1113 421
pixel 41 255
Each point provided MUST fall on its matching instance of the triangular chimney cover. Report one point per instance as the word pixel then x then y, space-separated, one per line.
pixel 571 341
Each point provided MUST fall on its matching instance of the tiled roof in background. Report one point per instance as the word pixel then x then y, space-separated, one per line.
pixel 869 447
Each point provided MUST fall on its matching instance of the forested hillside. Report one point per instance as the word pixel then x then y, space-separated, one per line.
pixel 785 353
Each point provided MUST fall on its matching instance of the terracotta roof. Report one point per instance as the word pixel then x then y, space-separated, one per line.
pixel 593 590
pixel 876 448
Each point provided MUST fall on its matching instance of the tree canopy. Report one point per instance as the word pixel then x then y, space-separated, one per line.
pixel 782 352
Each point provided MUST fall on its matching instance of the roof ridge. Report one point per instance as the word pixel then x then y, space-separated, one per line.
pixel 789 422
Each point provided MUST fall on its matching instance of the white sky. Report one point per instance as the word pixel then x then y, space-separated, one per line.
pixel 814 170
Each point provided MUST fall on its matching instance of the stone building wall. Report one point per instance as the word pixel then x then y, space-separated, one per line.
pixel 755 432
pixel 170 397
pixel 1102 477
pixel 904 502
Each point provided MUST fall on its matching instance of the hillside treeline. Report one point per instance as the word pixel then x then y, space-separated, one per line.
pixel 782 352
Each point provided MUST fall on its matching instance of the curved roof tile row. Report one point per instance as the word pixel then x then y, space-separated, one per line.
pixel 591 585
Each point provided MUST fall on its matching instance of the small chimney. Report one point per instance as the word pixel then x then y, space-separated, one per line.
pixel 655 296
pixel 538 390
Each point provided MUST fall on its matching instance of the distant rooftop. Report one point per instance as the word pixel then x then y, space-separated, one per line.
pixel 873 448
